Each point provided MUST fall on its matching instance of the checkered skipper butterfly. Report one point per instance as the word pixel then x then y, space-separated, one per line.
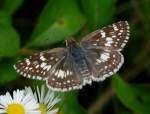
pixel 96 57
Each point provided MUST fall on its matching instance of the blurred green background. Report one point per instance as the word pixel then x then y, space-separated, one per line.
pixel 27 26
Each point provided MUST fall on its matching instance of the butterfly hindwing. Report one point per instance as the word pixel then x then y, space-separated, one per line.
pixel 112 37
pixel 104 63
pixel 65 76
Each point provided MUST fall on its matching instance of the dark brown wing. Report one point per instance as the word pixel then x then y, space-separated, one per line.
pixel 112 37
pixel 65 76
pixel 54 66
pixel 104 63
pixel 40 64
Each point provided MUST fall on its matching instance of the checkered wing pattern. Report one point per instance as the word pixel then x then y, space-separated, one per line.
pixel 104 63
pixel 54 66
pixel 39 65
pixel 65 76
pixel 112 37
pixel 103 47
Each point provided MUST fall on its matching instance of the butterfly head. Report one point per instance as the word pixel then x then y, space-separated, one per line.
pixel 70 42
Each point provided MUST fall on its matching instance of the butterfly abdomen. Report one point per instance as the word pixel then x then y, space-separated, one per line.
pixel 78 56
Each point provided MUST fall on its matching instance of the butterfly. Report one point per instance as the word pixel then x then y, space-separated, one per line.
pixel 95 58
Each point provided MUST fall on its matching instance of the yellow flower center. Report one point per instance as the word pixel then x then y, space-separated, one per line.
pixel 42 108
pixel 15 109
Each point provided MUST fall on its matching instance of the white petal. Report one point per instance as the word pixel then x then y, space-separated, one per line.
pixel 54 111
pixel 2 111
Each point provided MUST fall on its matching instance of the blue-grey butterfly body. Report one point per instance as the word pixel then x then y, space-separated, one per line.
pixel 96 57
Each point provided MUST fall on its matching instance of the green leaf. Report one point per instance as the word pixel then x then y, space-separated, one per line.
pixel 9 41
pixel 9 38
pixel 58 20
pixel 7 73
pixel 143 93
pixel 98 12
pixel 131 97
pixel 144 8
pixel 5 19
pixel 11 7
pixel 70 103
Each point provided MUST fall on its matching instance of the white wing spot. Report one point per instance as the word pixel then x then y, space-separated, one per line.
pixel 56 73
pixel 98 61
pixel 29 76
pixel 37 66
pixel 71 73
pixel 118 39
pixel 68 81
pixel 121 31
pixel 39 78
pixel 107 44
pixel 114 55
pixel 104 56
pixel 106 67
pixel 51 58
pixel 27 61
pixel 110 42
pixel 119 34
pixel 95 44
pixel 56 59
pixel 115 45
pixel 61 73
pixel 113 36
pixel 67 72
pixel 42 58
pixel 43 65
pixel 109 39
pixel 44 73
pixel 103 34
pixel 30 68
pixel 48 67
pixel 26 68
pixel 127 37
pixel 25 74
pixel 110 73
pixel 115 27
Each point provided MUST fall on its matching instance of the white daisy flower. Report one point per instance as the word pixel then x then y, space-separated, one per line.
pixel 19 102
pixel 46 99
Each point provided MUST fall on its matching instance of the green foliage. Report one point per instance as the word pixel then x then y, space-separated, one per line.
pixel 5 19
pixel 57 21
pixel 11 7
pixel 98 12
pixel 9 38
pixel 9 41
pixel 7 72
pixel 134 97
pixel 70 103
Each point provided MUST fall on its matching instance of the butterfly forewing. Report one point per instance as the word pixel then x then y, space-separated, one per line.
pixel 39 65
pixel 112 37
